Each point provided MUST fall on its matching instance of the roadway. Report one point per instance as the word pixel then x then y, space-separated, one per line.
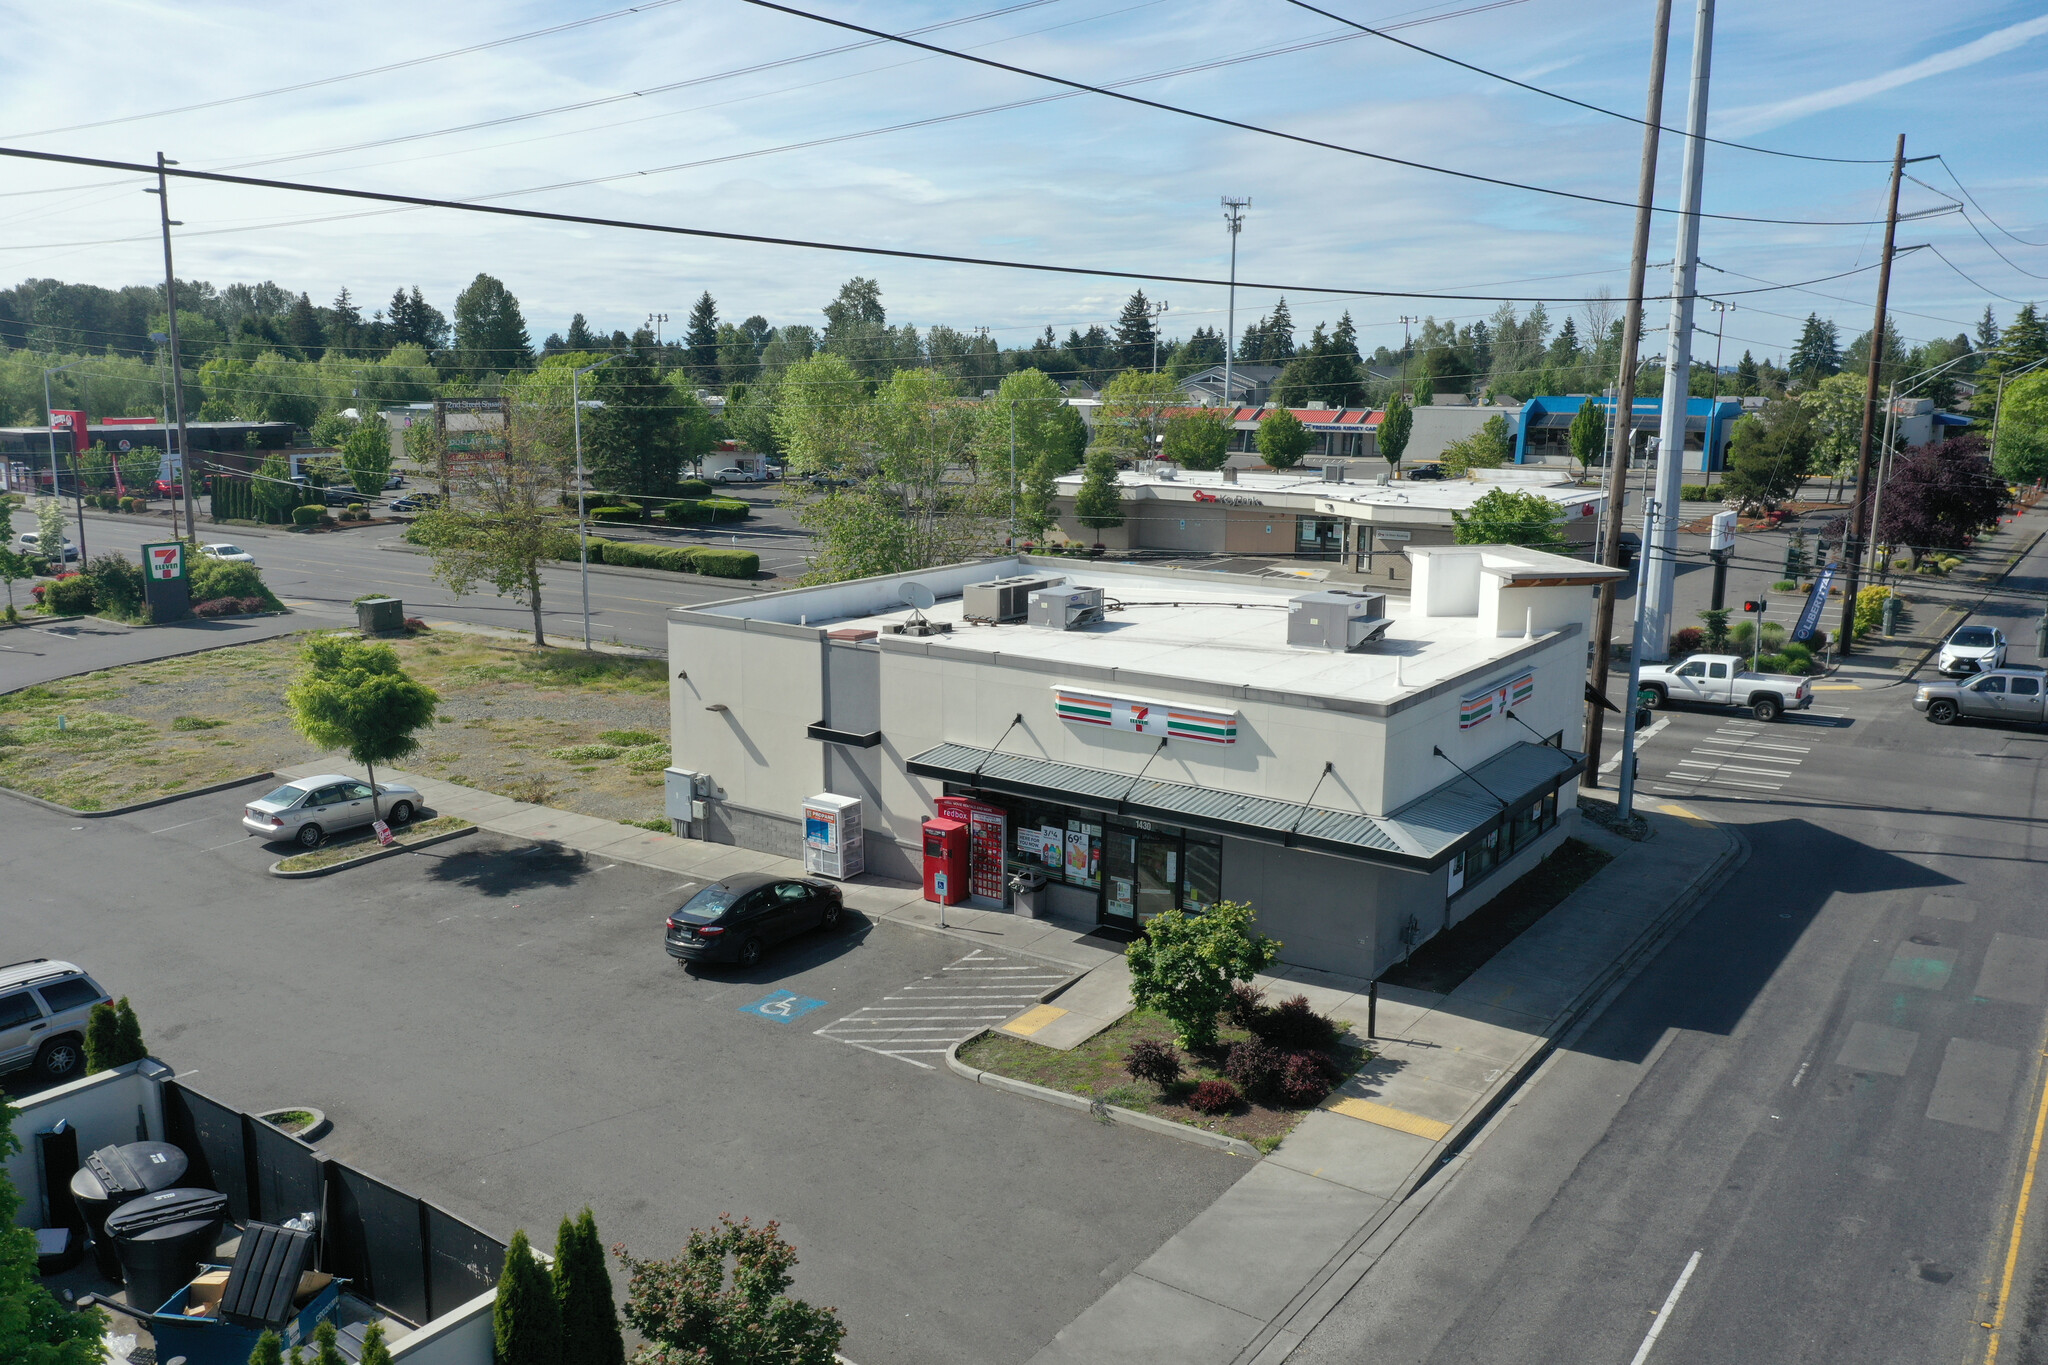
pixel 1813 1107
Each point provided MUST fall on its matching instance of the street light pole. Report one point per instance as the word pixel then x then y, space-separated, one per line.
pixel 582 522
pixel 77 484
pixel 1233 218
pixel 1155 311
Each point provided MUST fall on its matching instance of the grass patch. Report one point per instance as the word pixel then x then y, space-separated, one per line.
pixel 188 723
pixel 341 850
pixel 630 739
pixel 1446 960
pixel 658 826
pixel 1096 1069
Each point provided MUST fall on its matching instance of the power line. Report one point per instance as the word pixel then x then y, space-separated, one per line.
pixel 1219 119
pixel 1959 270
pixel 1980 207
pixel 947 258
pixel 1594 108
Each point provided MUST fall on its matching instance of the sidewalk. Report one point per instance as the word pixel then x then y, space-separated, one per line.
pixel 1248 1279
pixel 1069 944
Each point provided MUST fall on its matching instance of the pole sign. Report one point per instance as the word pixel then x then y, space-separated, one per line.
pixel 166 584
pixel 72 421
pixel 1816 603
pixel 1722 535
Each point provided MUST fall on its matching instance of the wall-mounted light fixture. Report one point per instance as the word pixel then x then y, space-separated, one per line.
pixel 718 706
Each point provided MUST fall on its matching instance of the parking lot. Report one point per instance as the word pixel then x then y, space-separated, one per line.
pixel 495 1025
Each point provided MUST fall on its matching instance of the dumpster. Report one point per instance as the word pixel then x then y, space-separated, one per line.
pixel 214 1317
pixel 161 1239
pixel 113 1176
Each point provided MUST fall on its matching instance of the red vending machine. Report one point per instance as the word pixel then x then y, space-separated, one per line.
pixel 945 861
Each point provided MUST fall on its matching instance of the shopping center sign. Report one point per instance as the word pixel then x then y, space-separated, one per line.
pixel 1145 717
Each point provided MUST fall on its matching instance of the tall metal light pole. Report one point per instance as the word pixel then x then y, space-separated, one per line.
pixel 582 522
pixel 1233 218
pixel 77 484
pixel 1154 311
pixel 183 468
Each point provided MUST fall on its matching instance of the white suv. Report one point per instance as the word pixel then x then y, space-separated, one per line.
pixel 44 1007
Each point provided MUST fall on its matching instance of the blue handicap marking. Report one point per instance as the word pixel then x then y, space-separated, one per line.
pixel 782 1006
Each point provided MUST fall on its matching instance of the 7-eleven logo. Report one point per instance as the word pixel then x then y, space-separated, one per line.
pixel 166 561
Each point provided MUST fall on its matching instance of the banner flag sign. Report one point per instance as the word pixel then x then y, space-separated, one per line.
pixel 1143 717
pixel 1816 603
pixel 1489 701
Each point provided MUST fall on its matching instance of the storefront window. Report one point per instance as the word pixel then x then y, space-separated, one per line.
pixel 1318 538
pixel 1204 874
pixel 1084 854
pixel 1142 867
pixel 1525 826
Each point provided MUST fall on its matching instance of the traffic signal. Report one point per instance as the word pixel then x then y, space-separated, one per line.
pixel 1755 608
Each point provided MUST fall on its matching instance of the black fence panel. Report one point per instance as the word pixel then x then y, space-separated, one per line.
pixel 374 1238
pixel 462 1261
pixel 286 1173
pixel 212 1137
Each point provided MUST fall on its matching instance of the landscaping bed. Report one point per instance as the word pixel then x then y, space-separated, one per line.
pixel 559 727
pixel 343 850
pixel 1446 960
pixel 1097 1070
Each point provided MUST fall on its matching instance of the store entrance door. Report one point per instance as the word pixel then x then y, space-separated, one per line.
pixel 1141 873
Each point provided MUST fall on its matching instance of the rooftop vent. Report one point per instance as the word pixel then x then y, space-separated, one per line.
pixel 1337 619
pixel 1003 600
pixel 1333 473
pixel 1230 473
pixel 1066 607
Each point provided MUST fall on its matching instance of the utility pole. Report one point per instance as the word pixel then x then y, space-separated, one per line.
pixel 1407 342
pixel 1659 577
pixel 182 470
pixel 1154 311
pixel 1625 390
pixel 582 520
pixel 1013 474
pixel 1859 524
pixel 1233 217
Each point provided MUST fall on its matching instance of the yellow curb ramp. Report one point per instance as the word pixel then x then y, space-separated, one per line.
pixel 1032 1020
pixel 1386 1116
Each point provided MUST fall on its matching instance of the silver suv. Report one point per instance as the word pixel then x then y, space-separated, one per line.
pixel 44 1007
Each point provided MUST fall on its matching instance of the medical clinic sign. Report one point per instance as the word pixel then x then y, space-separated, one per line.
pixel 165 584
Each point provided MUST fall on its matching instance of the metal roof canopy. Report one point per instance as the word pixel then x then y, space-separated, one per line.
pixel 1424 834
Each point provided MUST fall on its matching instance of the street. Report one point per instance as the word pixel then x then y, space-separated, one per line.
pixel 1825 1086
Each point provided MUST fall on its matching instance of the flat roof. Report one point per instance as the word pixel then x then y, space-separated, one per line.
pixel 1365 498
pixel 1224 630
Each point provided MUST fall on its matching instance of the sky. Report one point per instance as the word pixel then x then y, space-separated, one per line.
pixel 725 115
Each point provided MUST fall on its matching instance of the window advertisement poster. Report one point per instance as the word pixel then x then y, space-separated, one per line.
pixel 1051 846
pixel 1030 842
pixel 1084 853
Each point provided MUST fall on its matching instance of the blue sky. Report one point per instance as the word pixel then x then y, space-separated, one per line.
pixel 1079 180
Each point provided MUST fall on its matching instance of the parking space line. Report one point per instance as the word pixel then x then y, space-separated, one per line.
pixel 929 1016
pixel 183 823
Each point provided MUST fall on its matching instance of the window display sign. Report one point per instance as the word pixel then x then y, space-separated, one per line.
pixel 1051 844
pixel 1144 717
pixel 1489 701
pixel 1084 853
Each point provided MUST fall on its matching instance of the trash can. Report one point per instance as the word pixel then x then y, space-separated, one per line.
pixel 1027 894
pixel 161 1239
pixel 380 615
pixel 114 1176
pixel 1891 616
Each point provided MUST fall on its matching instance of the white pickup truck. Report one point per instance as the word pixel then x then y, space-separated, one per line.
pixel 1720 680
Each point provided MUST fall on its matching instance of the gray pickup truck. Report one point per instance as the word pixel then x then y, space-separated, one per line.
pixel 1719 680
pixel 2009 693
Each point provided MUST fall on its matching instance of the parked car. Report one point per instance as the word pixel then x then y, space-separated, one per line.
pixel 341 495
pixel 1424 473
pixel 1720 680
pixel 167 489
pixel 828 481
pixel 1971 649
pixel 415 502
pixel 227 554
pixel 307 810
pixel 737 919
pixel 395 481
pixel 31 543
pixel 735 475
pixel 44 1006
pixel 2009 693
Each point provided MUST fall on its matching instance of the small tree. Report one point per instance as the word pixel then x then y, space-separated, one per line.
pixel 366 454
pixel 1283 440
pixel 50 531
pixel 1100 503
pixel 526 1322
pixel 325 1352
pixel 34 1327
pixel 272 487
pixel 1587 435
pixel 128 1034
pixel 1487 448
pixel 1199 439
pixel 14 567
pixel 354 697
pixel 1715 622
pixel 1037 511
pixel 583 1289
pixel 375 1351
pixel 1185 965
pixel 269 1350
pixel 1508 517
pixel 102 1039
pixel 504 523
pixel 1395 428
pixel 722 1302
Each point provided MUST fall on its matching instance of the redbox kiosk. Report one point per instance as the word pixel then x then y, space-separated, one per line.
pixel 945 860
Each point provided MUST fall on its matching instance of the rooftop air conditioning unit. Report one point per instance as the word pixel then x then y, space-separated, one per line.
pixel 1333 473
pixel 1337 619
pixel 1003 600
pixel 1066 607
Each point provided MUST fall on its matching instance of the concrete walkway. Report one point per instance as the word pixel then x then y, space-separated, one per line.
pixel 1251 1275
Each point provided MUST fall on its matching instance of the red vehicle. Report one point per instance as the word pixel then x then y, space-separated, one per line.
pixel 166 489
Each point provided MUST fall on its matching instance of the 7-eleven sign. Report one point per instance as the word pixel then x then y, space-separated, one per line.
pixel 165 561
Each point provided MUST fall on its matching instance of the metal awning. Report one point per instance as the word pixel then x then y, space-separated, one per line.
pixel 1426 833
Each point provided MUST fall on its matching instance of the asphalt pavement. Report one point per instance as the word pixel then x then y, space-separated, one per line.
pixel 1798 1134
pixel 494 1025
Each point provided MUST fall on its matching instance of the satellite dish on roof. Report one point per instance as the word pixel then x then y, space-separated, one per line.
pixel 916 596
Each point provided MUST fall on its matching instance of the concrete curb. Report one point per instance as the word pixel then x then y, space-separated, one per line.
pixel 624 571
pixel 1129 1118
pixel 139 805
pixel 313 1131
pixel 391 852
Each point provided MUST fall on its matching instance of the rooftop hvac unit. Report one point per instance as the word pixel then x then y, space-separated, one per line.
pixel 1066 607
pixel 1337 619
pixel 1003 600
pixel 1333 473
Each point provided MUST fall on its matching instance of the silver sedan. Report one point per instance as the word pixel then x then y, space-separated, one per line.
pixel 308 809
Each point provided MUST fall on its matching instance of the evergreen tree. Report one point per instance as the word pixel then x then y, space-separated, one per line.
pixel 1588 433
pixel 102 1038
pixel 128 1034
pixel 1396 426
pixel 1100 503
pixel 1345 337
pixel 1818 353
pixel 580 337
pixel 269 1350
pixel 490 331
pixel 1987 329
pixel 2025 341
pixel 635 443
pixel 303 330
pixel 583 1288
pixel 526 1322
pixel 375 1351
pixel 1326 375
pixel 1137 342
pixel 1279 343
pixel 325 1352
pixel 700 342
pixel 1748 381
pixel 1564 347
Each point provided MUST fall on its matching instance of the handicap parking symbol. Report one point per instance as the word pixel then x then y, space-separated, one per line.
pixel 782 1006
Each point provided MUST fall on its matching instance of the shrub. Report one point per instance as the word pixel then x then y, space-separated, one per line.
pixel 583 1288
pixel 213 578
pixel 615 513
pixel 70 595
pixel 1185 965
pixel 725 1300
pixel 1698 492
pixel 633 555
pixel 726 509
pixel 630 739
pixel 1784 585
pixel 113 1037
pixel 586 753
pixel 1687 641
pixel 1303 1080
pixel 307 514
pixel 526 1320
pixel 693 488
pixel 116 585
pixel 715 563
pixel 648 758
pixel 1244 1005
pixel 1253 1065
pixel 356 508
pixel 1292 1025
pixel 196 723
pixel 684 513
pixel 230 606
pixel 1213 1097
pixel 1870 607
pixel 1154 1060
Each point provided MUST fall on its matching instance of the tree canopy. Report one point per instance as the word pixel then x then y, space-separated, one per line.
pixel 1769 453
pixel 1504 516
pixel 1939 496
pixel 354 697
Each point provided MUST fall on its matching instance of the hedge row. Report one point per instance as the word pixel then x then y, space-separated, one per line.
pixel 685 511
pixel 709 560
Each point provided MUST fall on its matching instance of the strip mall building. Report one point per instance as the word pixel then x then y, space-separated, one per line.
pixel 1364 771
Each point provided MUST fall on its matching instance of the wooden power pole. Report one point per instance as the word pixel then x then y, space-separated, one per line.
pixel 1859 516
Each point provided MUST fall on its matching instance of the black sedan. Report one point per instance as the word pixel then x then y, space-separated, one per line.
pixel 737 919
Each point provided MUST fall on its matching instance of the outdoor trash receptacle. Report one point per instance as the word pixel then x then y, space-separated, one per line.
pixel 114 1176
pixel 161 1239
pixel 1027 894
pixel 380 615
